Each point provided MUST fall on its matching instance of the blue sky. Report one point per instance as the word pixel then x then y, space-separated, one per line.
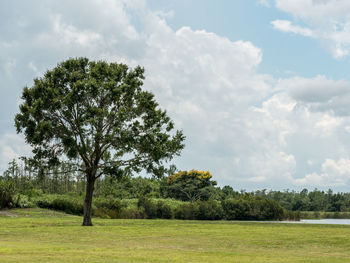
pixel 259 87
pixel 250 20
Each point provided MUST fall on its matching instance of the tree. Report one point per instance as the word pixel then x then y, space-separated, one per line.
pixel 96 115
pixel 190 185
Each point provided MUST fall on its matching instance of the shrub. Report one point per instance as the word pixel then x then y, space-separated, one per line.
pixel 209 210
pixel 66 204
pixel 269 209
pixel 252 209
pixel 130 203
pixel 186 211
pixel 111 204
pixel 107 208
pixel 22 201
pixel 7 192
pixel 235 209
pixel 291 215
pixel 132 213
pixel 32 193
pixel 44 202
pixel 104 213
pixel 69 206
pixel 148 207
pixel 164 210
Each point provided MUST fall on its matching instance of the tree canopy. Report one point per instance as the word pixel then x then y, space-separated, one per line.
pixel 96 115
pixel 190 185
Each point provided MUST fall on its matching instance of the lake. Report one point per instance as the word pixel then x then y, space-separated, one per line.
pixel 321 221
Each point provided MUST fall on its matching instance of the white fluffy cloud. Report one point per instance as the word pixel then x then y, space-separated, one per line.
pixel 319 93
pixel 264 3
pixel 249 129
pixel 326 20
pixel 12 146
pixel 287 26
pixel 316 10
pixel 333 174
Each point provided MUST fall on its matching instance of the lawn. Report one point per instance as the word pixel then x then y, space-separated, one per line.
pixel 37 235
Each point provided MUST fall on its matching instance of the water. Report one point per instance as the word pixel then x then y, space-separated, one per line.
pixel 321 221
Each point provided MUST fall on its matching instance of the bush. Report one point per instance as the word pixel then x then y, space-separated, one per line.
pixel 235 209
pixel 44 202
pixel 33 193
pixel 252 209
pixel 132 213
pixel 291 215
pixel 107 208
pixel 104 213
pixel 69 206
pixel 130 203
pixel 200 210
pixel 111 204
pixel 209 210
pixel 148 207
pixel 7 192
pixel 186 211
pixel 61 203
pixel 22 201
pixel 164 210
pixel 245 208
pixel 268 210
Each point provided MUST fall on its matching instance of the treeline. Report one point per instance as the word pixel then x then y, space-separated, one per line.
pixel 305 200
pixel 28 180
pixel 197 195
pixel 244 207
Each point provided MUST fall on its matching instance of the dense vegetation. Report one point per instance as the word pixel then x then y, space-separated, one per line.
pixel 20 178
pixel 182 195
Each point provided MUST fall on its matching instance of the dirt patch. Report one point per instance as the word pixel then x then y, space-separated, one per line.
pixel 7 213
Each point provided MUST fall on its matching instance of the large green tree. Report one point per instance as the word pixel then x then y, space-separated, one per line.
pixel 96 115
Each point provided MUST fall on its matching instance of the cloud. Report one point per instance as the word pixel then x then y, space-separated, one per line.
pixel 286 26
pixel 317 89
pixel 12 146
pixel 294 133
pixel 319 93
pixel 317 10
pixel 264 3
pixel 334 173
pixel 70 35
pixel 327 21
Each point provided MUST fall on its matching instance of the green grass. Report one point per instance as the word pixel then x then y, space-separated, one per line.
pixel 37 235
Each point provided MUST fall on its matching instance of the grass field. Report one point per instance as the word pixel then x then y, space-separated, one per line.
pixel 37 235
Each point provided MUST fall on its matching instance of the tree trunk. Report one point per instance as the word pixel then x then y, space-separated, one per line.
pixel 90 183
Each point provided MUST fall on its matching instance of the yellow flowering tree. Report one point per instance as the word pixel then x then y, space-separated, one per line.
pixel 190 185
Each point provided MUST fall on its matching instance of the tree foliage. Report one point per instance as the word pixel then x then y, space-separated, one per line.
pixel 190 185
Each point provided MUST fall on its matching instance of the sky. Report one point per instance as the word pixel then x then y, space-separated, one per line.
pixel 260 88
